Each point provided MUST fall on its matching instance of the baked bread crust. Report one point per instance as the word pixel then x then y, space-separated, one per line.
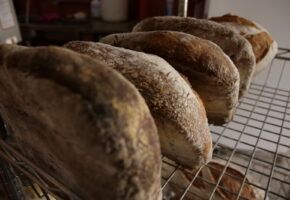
pixel 204 184
pixel 264 47
pixel 86 126
pixel 178 111
pixel 211 73
pixel 234 45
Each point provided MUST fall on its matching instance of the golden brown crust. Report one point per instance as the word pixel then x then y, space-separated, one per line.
pixel 261 43
pixel 264 47
pixel 233 44
pixel 211 73
pixel 86 126
pixel 234 18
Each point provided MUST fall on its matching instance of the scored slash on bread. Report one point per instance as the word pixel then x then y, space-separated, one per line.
pixel 264 47
pixel 81 122
pixel 210 72
pixel 178 111
pixel 234 45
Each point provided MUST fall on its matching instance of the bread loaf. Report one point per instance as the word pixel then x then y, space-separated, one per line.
pixel 211 73
pixel 81 122
pixel 264 47
pixel 204 184
pixel 234 45
pixel 178 112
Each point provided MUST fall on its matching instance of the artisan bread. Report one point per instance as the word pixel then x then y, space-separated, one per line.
pixel 204 184
pixel 178 111
pixel 81 122
pixel 234 45
pixel 264 47
pixel 211 73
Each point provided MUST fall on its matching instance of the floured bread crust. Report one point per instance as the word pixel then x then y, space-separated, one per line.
pixel 234 45
pixel 264 47
pixel 178 112
pixel 81 122
pixel 211 73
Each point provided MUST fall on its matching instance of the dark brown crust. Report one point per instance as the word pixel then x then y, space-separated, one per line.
pixel 234 18
pixel 234 45
pixel 211 73
pixel 86 126
pixel 261 43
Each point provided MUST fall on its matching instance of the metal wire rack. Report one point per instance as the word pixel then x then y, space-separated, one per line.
pixel 25 181
pixel 256 142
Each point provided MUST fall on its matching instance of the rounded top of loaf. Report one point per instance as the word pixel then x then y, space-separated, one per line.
pixel 86 126
pixel 183 49
pixel 189 25
pixel 236 19
pixel 232 43
pixel 257 35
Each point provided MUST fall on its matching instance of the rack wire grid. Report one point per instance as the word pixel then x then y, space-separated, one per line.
pixel 256 142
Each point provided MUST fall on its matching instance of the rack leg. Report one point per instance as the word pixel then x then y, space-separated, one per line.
pixel 182 8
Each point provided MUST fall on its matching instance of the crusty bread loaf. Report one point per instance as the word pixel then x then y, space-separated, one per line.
pixel 81 122
pixel 178 112
pixel 234 45
pixel 204 183
pixel 264 47
pixel 211 73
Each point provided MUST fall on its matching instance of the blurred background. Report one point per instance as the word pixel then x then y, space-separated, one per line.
pixel 58 21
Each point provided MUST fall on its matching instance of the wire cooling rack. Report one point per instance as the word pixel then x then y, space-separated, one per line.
pixel 256 143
